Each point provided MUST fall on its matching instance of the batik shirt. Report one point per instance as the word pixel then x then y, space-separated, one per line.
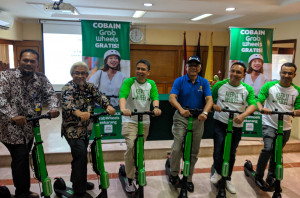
pixel 22 98
pixel 84 100
pixel 284 99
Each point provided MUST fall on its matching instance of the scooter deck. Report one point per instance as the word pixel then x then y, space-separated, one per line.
pixel 122 177
pixel 249 172
pixel 68 192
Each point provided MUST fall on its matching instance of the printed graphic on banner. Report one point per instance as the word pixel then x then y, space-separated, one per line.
pixel 253 47
pixel 105 47
pixel 106 50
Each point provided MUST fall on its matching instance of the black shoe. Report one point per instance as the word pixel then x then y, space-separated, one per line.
pixel 174 180
pixel 190 187
pixel 261 183
pixel 271 182
pixel 90 186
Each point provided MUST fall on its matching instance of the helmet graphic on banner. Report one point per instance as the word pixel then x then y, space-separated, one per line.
pixel 255 56
pixel 111 52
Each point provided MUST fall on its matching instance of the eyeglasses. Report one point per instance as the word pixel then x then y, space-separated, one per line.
pixel 289 73
pixel 193 65
pixel 77 73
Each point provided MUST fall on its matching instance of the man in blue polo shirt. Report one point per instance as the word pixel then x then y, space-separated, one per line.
pixel 188 91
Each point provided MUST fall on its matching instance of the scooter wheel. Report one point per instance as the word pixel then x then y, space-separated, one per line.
pixel 221 193
pixel 4 192
pixel 276 195
pixel 122 170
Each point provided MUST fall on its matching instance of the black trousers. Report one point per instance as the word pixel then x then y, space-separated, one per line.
pixel 79 164
pixel 20 166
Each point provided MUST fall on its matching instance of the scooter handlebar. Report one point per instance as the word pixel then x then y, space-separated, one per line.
pixel 45 116
pixel 231 111
pixel 279 113
pixel 142 113
pixel 99 114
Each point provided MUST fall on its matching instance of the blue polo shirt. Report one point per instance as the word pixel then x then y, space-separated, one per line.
pixel 189 94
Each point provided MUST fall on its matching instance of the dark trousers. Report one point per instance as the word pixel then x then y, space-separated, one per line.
pixel 219 141
pixel 20 166
pixel 267 153
pixel 79 164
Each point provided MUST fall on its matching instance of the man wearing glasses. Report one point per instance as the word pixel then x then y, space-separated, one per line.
pixel 189 91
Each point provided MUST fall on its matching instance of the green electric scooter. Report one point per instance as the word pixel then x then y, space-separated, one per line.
pixel 60 187
pixel 248 169
pixel 187 147
pixel 139 159
pixel 97 156
pixel 226 153
pixel 38 156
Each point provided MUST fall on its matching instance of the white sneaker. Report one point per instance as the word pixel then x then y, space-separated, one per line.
pixel 215 178
pixel 230 187
pixel 129 187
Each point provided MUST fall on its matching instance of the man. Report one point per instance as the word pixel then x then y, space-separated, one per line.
pixel 282 95
pixel 255 74
pixel 78 101
pixel 188 91
pixel 21 91
pixel 235 95
pixel 136 93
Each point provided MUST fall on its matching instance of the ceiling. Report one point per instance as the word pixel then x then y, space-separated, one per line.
pixel 166 13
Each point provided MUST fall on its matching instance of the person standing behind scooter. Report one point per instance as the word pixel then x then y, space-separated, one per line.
pixel 136 93
pixel 282 95
pixel 236 96
pixel 23 90
pixel 188 91
pixel 78 101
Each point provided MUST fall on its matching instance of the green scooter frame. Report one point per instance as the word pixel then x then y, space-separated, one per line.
pixel 98 162
pixel 278 151
pixel 226 153
pixel 38 157
pixel 139 158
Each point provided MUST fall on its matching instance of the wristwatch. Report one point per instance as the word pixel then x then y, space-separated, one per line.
pixel 156 107
pixel 205 113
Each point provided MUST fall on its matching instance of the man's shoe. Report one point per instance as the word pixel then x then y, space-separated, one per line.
pixel 261 183
pixel 129 185
pixel 215 178
pixel 271 182
pixel 174 180
pixel 230 187
pixel 190 187
pixel 33 195
pixel 90 186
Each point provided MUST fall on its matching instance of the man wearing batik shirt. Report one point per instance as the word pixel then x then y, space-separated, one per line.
pixel 22 90
pixel 78 101
pixel 284 96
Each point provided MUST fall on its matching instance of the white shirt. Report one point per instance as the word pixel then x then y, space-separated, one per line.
pixel 257 84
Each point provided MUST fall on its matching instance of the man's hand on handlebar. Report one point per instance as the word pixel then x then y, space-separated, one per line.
pixel 185 113
pixel 217 108
pixel 126 112
pixel 84 116
pixel 239 119
pixel 54 113
pixel 19 120
pixel 110 110
pixel 157 112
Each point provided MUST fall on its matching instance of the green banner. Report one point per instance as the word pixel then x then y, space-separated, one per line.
pixel 247 44
pixel 247 41
pixel 100 36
